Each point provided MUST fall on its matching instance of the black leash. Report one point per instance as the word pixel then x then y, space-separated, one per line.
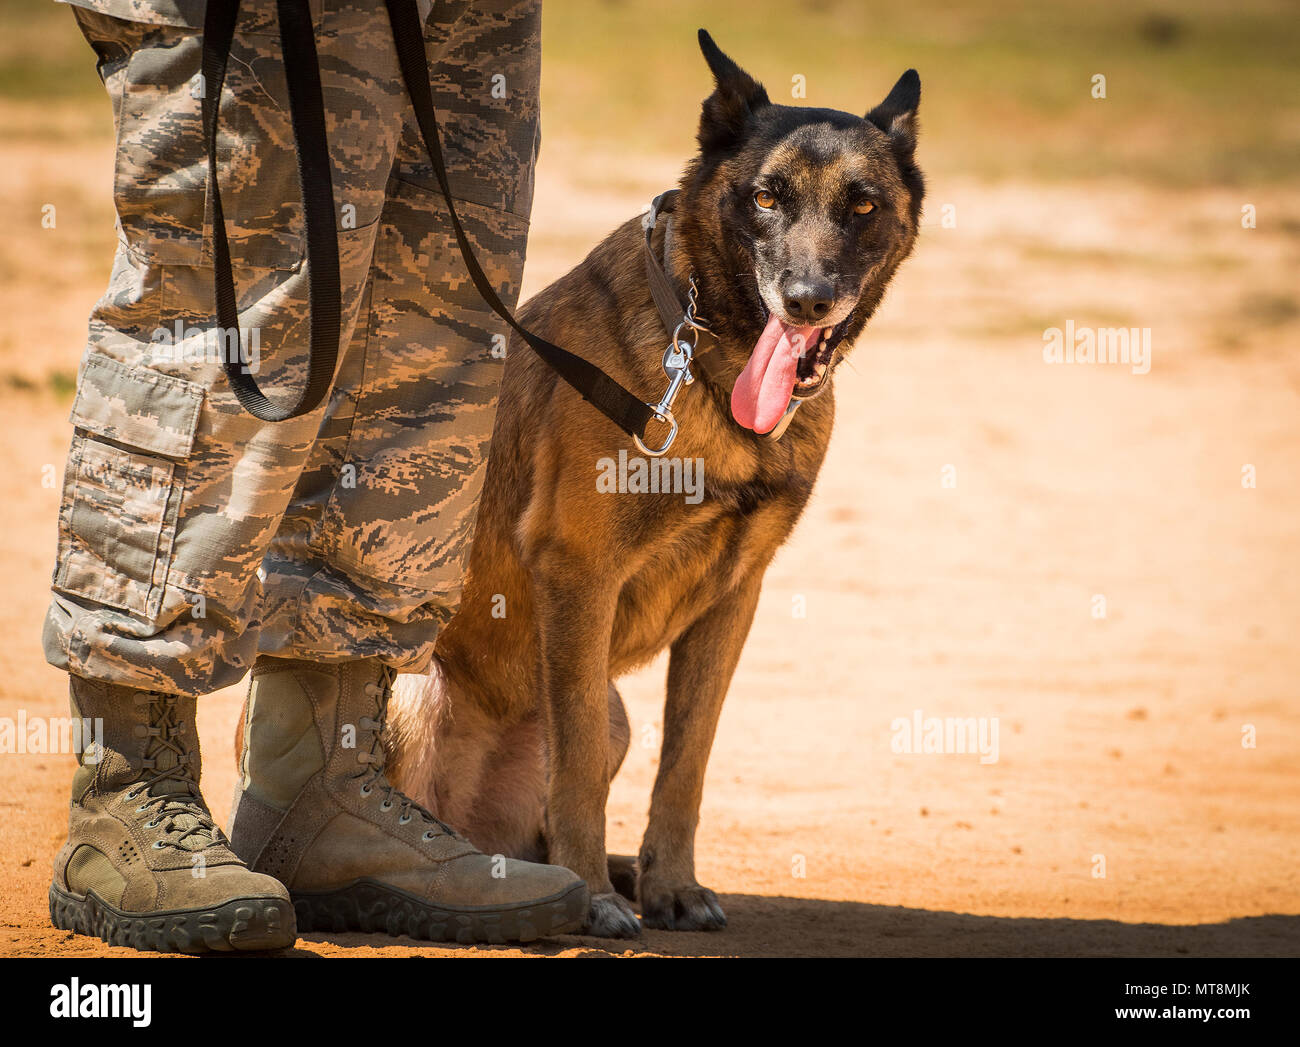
pixel 308 114
pixel 594 385
pixel 307 111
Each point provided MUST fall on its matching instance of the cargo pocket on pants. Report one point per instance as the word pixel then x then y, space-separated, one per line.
pixel 124 482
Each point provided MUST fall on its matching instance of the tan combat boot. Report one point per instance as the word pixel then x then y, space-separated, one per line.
pixel 314 810
pixel 145 865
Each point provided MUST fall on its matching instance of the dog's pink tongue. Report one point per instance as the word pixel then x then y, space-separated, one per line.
pixel 762 392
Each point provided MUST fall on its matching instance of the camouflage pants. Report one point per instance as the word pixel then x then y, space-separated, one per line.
pixel 192 536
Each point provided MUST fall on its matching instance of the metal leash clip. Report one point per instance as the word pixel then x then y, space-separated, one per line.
pixel 677 368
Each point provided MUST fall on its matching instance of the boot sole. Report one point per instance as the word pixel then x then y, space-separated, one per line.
pixel 373 907
pixel 241 925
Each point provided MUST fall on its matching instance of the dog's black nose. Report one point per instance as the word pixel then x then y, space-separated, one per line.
pixel 809 300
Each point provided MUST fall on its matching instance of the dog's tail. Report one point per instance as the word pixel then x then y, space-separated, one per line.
pixel 416 709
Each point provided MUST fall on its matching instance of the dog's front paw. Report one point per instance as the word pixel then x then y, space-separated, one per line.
pixel 687 908
pixel 611 917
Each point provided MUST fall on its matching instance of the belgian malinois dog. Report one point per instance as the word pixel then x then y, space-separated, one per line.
pixel 790 221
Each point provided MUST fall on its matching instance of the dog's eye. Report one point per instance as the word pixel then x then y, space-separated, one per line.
pixel 863 207
pixel 765 200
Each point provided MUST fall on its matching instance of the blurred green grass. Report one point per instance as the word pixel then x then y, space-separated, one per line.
pixel 1198 91
pixel 43 58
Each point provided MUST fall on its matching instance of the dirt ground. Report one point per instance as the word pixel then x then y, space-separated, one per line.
pixel 976 504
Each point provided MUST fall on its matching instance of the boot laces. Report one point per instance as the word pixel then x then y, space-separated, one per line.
pixel 373 759
pixel 171 787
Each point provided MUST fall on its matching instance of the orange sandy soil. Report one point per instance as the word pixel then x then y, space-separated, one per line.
pixel 1119 737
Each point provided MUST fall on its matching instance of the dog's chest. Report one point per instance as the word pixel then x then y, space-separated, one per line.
pixel 733 533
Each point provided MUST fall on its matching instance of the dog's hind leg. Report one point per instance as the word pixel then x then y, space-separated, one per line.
pixel 620 731
pixel 485 777
pixel 507 813
pixel 622 867
pixel 623 875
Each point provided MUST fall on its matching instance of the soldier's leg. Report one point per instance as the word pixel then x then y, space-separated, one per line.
pixel 369 559
pixel 172 492
pixel 367 564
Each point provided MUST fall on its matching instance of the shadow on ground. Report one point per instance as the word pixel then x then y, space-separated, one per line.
pixel 764 926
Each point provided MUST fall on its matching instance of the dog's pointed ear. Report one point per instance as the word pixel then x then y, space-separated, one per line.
pixel 896 115
pixel 736 97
